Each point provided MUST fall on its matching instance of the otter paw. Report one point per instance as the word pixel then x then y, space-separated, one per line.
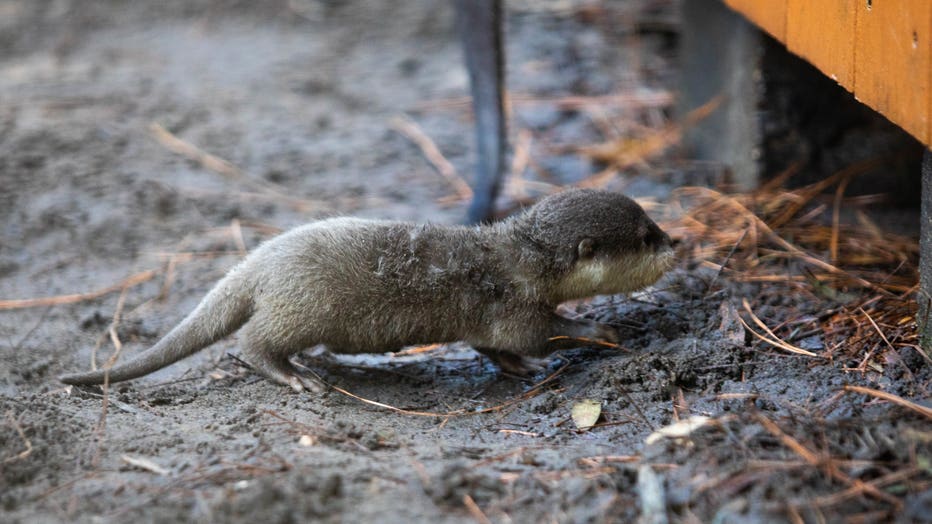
pixel 522 366
pixel 301 383
pixel 514 364
pixel 608 334
pixel 284 372
pixel 599 332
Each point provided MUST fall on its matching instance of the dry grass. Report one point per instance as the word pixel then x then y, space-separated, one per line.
pixel 858 281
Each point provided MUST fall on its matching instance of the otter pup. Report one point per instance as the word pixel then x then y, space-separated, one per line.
pixel 363 286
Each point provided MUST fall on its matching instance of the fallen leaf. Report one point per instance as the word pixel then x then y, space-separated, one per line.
pixel 586 412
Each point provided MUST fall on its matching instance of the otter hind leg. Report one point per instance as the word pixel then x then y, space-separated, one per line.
pixel 271 360
pixel 282 371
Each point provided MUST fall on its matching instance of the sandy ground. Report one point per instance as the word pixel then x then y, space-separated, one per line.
pixel 98 101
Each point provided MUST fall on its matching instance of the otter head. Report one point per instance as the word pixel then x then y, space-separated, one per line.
pixel 601 243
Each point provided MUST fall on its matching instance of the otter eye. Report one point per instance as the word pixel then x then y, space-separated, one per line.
pixel 586 248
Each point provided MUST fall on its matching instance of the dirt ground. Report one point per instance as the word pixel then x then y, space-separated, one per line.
pixel 109 114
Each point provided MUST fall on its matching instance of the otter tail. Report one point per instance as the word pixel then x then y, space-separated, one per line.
pixel 225 308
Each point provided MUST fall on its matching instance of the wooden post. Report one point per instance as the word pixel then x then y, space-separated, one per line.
pixel 925 254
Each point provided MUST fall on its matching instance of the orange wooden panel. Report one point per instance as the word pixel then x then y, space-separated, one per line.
pixel 893 62
pixel 823 33
pixel 769 15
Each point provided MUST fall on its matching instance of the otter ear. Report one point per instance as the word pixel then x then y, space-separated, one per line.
pixel 586 248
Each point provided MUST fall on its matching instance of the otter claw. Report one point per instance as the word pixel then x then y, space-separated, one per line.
pixel 301 382
pixel 296 384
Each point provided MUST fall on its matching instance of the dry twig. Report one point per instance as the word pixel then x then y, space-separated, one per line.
pixel 219 165
pixel 642 98
pixel 830 466
pixel 131 281
pixel 475 510
pixel 409 129
pixel 900 401
pixel 532 392
pixel 22 435
pixel 624 152
pixel 774 339
pixel 584 340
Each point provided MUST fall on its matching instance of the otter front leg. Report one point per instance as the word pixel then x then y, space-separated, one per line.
pixel 565 333
pixel 512 339
pixel 513 363
pixel 575 330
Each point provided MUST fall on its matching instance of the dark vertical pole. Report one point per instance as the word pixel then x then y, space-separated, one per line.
pixel 480 27
pixel 925 254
